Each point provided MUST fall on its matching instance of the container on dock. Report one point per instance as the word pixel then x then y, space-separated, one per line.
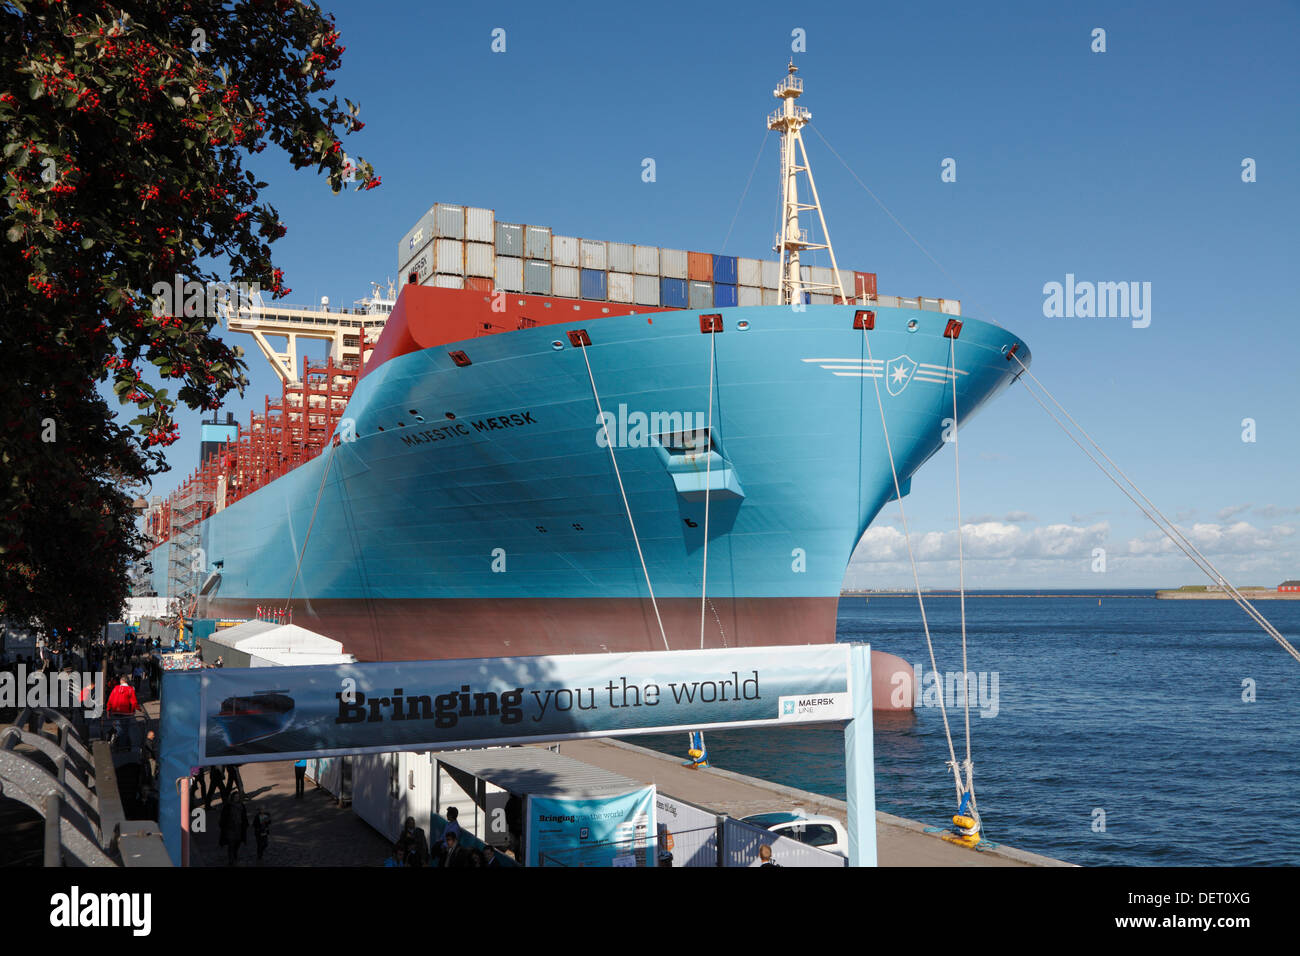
pixel 595 254
pixel 724 295
pixel 724 270
pixel 537 277
pixel 621 287
pixel 645 290
pixel 622 257
pixel 593 284
pixel 480 259
pixel 537 242
pixel 479 225
pixel 566 251
pixel 672 263
pixel 749 272
pixel 699 266
pixel 700 295
pixel 564 282
pixel 672 292
pixel 510 239
pixel 449 221
pixel 647 260
pixel 449 256
pixel 510 273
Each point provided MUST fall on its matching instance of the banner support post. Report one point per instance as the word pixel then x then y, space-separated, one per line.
pixel 859 761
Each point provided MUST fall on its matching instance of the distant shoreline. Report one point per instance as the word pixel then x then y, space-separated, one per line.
pixel 1146 595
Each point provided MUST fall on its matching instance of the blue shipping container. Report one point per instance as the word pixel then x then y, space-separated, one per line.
pixel 672 293
pixel 593 284
pixel 723 295
pixel 724 271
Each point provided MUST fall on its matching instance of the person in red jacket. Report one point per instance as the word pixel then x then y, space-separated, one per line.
pixel 122 704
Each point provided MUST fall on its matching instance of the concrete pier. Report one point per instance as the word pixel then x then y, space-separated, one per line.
pixel 900 842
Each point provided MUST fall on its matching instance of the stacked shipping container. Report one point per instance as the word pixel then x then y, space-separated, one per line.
pixel 464 247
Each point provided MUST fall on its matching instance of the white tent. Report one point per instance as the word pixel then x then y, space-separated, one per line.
pixel 267 644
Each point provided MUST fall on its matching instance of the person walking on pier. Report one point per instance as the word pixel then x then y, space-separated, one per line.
pixel 122 705
pixel 234 826
pixel 261 830
pixel 299 775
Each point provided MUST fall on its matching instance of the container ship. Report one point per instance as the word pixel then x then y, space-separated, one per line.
pixel 563 445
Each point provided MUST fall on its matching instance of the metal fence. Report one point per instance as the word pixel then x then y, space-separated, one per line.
pixel 741 842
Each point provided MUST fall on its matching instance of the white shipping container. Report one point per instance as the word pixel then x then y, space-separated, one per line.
pixel 595 255
pixel 904 302
pixel 480 259
pixel 646 288
pixel 950 306
pixel 771 297
pixel 846 283
pixel 449 256
pixel 622 257
pixel 449 282
pixel 537 242
pixel 566 251
pixel 771 275
pixel 537 277
pixel 510 274
pixel 929 304
pixel 672 263
pixel 564 282
pixel 415 240
pixel 749 272
pixel 820 275
pixel 620 288
pixel 647 262
pixel 749 295
pixel 449 221
pixel 889 301
pixel 421 266
pixel 819 298
pixel 480 225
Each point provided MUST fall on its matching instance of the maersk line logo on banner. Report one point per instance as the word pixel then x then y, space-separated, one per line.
pixel 815 707
pixel 258 713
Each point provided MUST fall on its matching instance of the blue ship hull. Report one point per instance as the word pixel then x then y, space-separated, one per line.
pixel 502 530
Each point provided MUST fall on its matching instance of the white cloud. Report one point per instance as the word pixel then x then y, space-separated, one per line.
pixel 983 540
pixel 1240 537
pixel 1227 514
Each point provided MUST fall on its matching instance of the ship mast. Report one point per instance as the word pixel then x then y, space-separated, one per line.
pixel 792 240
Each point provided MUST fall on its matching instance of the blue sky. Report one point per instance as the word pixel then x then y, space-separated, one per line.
pixel 1115 166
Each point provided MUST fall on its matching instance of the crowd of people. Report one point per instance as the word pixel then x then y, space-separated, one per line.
pixel 412 847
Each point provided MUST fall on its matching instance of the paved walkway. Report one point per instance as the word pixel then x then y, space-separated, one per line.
pixel 312 831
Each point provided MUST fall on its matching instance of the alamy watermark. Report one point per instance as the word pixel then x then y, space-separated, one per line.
pixel 1101 300
pixel 953 688
pixel 638 429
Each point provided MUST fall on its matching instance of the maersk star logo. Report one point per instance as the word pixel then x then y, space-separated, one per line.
pixel 898 373
pixel 789 706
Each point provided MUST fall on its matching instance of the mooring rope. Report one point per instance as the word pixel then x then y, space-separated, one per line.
pixel 622 491
pixel 961 566
pixel 708 473
pixel 916 579
pixel 1168 528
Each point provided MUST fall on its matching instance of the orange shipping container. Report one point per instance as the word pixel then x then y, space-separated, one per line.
pixel 478 284
pixel 865 284
pixel 699 266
